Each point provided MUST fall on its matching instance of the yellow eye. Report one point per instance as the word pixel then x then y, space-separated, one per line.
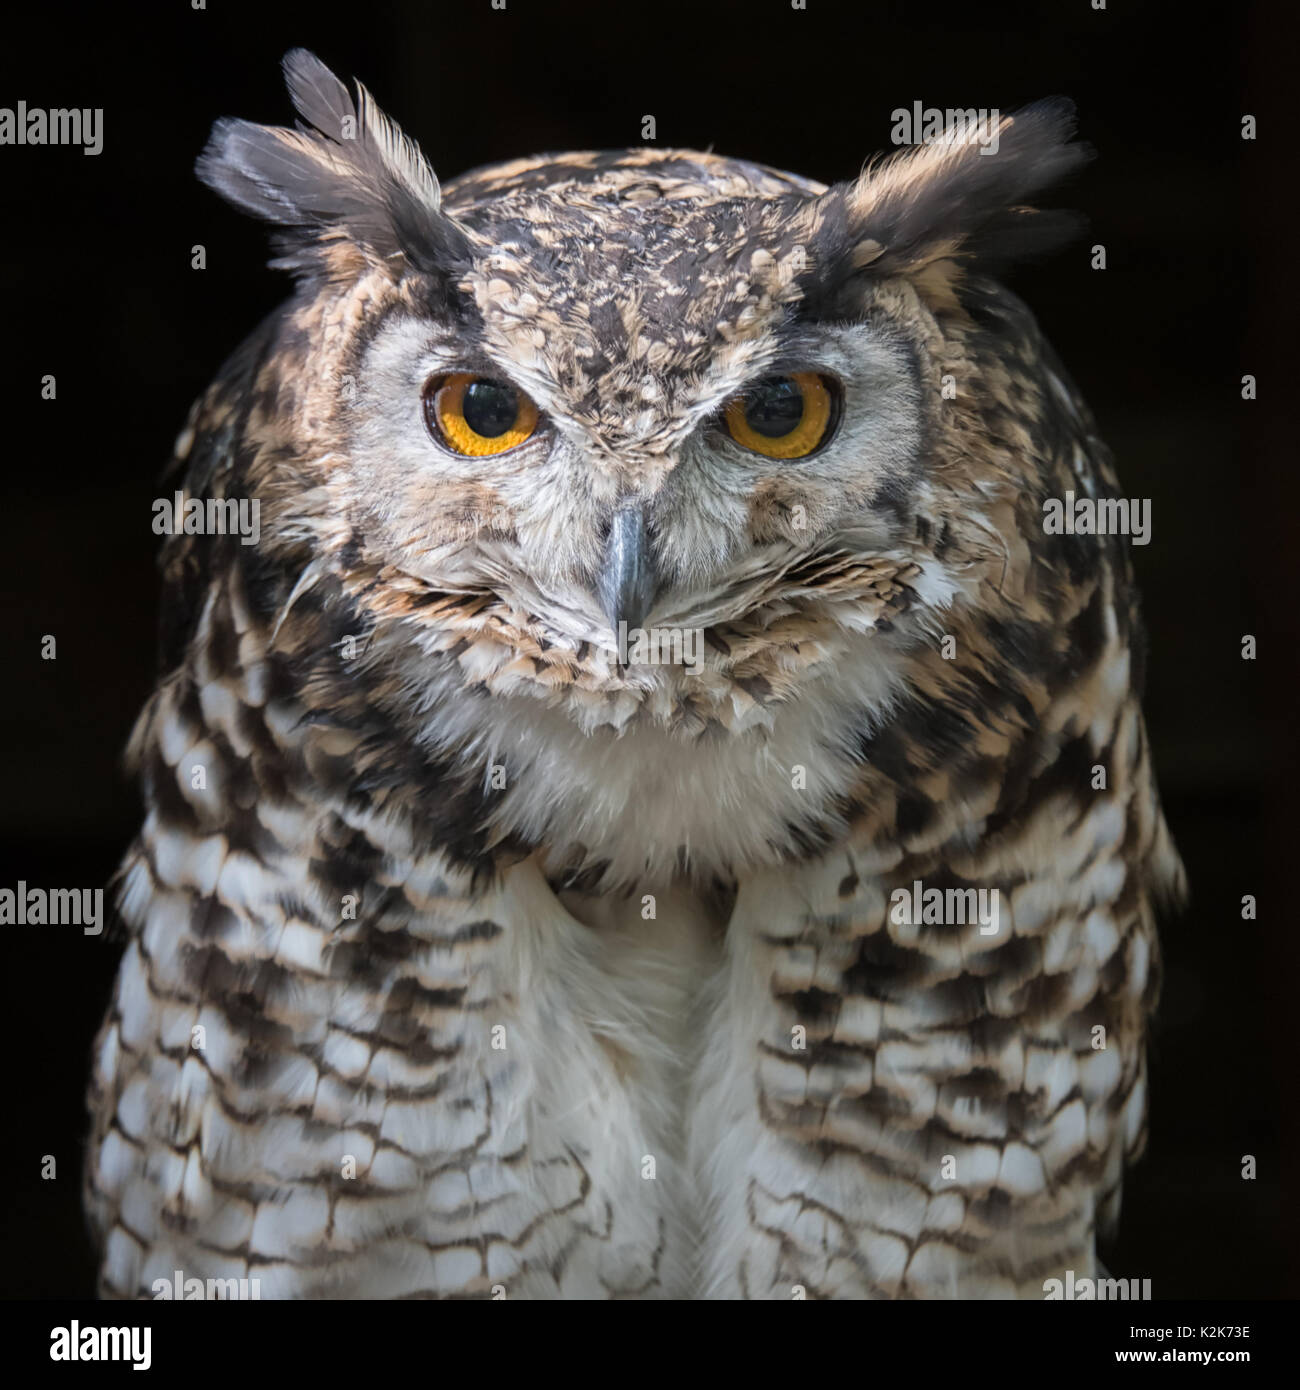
pixel 783 417
pixel 478 415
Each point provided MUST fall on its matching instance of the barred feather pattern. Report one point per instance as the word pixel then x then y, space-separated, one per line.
pixel 636 1020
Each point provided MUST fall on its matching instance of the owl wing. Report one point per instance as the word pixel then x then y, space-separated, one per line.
pixel 900 1104
pixel 353 1049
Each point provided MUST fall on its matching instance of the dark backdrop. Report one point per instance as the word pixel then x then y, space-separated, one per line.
pixel 98 290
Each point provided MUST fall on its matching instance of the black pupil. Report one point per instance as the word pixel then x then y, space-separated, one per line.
pixel 773 408
pixel 490 408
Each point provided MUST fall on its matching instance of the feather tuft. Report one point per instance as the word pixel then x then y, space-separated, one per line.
pixel 345 190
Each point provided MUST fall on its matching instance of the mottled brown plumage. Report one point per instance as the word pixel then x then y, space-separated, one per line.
pixel 476 920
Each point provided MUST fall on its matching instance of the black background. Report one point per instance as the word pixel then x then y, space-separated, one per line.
pixel 98 291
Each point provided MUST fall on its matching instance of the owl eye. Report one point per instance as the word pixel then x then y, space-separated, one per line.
pixel 784 417
pixel 477 415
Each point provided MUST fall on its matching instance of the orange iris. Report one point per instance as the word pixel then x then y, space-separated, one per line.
pixel 478 415
pixel 783 417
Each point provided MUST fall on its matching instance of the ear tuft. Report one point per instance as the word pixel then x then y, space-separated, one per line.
pixel 956 197
pixel 345 188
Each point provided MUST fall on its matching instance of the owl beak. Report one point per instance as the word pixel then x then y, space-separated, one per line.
pixel 627 582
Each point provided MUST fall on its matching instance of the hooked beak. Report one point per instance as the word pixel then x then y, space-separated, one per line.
pixel 627 583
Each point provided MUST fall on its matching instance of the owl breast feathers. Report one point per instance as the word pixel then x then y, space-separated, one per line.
pixel 656 813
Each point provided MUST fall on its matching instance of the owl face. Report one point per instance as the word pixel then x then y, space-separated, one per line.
pixel 653 493
pixel 570 398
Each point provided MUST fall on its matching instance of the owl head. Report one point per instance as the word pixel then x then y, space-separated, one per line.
pixel 646 436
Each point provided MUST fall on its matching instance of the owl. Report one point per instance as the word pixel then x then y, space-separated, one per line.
pixel 655 808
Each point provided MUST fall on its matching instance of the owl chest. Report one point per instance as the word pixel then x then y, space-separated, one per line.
pixel 646 807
